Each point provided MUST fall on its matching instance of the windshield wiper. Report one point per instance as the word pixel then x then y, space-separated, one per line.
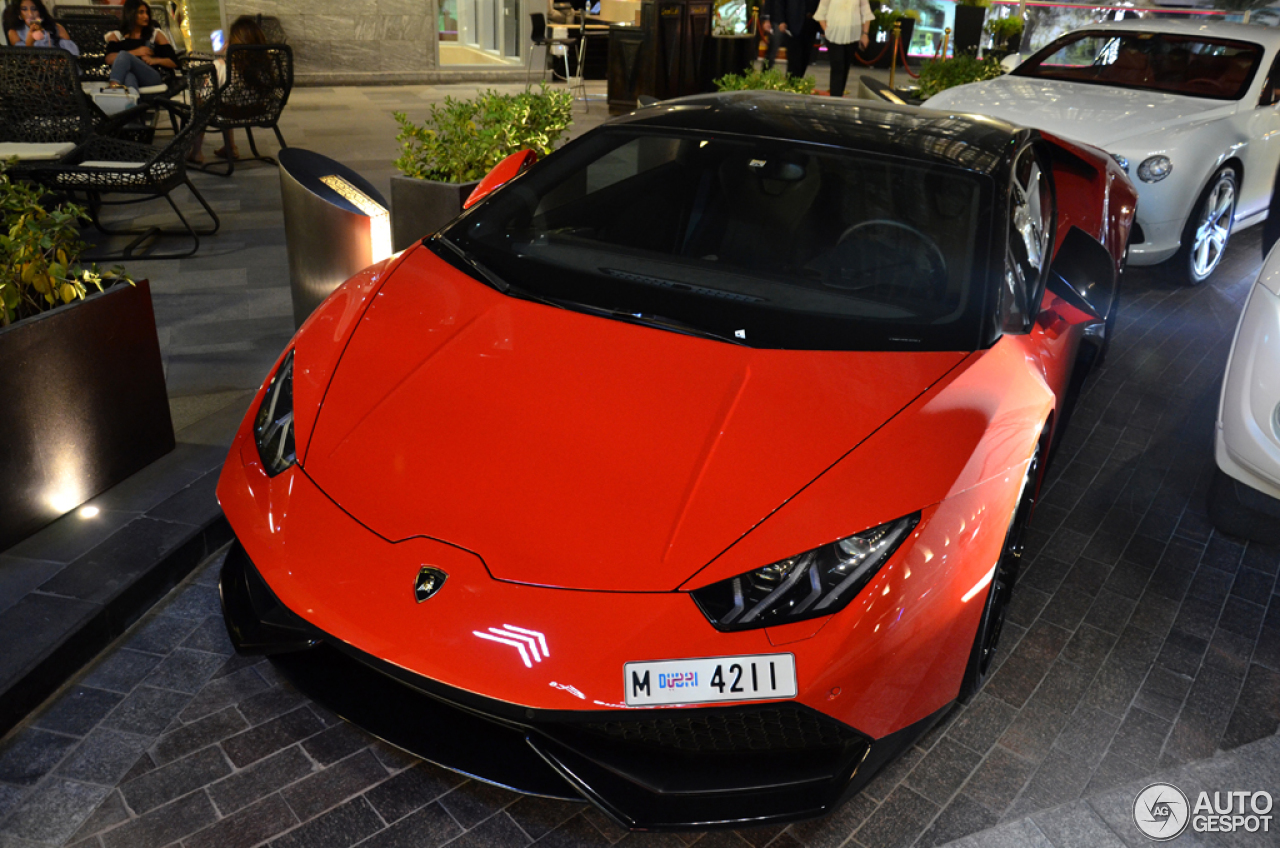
pixel 475 265
pixel 658 321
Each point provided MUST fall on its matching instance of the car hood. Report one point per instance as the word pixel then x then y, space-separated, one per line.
pixel 576 451
pixel 1100 115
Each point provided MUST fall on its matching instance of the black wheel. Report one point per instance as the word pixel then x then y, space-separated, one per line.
pixel 990 627
pixel 1207 231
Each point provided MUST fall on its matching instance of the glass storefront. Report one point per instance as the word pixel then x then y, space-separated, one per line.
pixel 480 32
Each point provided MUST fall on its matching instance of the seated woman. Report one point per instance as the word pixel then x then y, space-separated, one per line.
pixel 138 52
pixel 244 30
pixel 29 24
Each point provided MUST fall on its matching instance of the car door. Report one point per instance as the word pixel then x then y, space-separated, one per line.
pixel 1262 154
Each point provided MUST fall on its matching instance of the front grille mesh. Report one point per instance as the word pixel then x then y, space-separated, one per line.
pixel 767 729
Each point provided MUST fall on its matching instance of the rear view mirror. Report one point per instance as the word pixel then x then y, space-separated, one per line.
pixel 1083 274
pixel 503 172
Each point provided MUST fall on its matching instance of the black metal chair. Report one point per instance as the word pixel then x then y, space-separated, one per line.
pixel 106 166
pixel 259 79
pixel 538 38
pixel 272 29
pixel 40 98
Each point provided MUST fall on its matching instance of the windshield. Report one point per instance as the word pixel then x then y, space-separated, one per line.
pixel 1217 68
pixel 762 242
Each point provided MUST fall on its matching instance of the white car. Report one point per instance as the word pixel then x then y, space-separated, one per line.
pixel 1245 497
pixel 1190 111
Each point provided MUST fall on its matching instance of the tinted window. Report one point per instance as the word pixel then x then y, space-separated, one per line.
pixel 1200 67
pixel 775 244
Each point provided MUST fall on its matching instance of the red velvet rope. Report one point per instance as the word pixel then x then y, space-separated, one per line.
pixel 883 50
pixel 902 51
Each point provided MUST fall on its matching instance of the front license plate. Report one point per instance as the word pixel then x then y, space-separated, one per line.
pixel 710 680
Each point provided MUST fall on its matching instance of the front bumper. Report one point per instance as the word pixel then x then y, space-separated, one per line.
pixel 696 767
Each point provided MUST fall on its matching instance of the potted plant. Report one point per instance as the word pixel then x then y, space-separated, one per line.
pixel 81 379
pixel 443 158
pixel 1006 33
pixel 771 80
pixel 968 25
pixel 962 68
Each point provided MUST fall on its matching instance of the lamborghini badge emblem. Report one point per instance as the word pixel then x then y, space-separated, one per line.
pixel 429 581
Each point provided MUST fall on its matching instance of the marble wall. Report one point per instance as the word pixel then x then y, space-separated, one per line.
pixel 337 42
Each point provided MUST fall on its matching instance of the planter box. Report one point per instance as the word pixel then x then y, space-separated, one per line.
pixel 82 389
pixel 420 207
pixel 968 31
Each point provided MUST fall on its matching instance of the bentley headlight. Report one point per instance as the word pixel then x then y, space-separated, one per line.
pixel 1121 161
pixel 814 583
pixel 1155 169
pixel 273 428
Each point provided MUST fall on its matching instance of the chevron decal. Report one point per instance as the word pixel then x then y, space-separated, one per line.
pixel 531 644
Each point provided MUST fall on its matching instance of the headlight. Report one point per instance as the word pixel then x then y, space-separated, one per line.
pixel 814 583
pixel 1121 161
pixel 273 428
pixel 1155 169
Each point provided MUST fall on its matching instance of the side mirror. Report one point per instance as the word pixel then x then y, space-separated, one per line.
pixel 1083 274
pixel 1008 63
pixel 503 172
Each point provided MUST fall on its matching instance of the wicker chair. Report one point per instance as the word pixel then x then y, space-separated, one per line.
pixel 40 98
pixel 105 166
pixel 259 79
pixel 89 32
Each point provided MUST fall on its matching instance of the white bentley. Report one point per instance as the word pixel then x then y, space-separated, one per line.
pixel 1244 499
pixel 1190 110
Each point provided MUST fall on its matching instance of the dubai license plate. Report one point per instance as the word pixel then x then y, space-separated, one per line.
pixel 710 680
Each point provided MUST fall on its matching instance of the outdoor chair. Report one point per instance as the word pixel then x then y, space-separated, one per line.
pixel 103 166
pixel 259 79
pixel 272 29
pixel 538 37
pixel 43 112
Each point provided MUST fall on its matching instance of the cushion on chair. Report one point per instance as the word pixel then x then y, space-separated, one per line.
pixel 31 151
pixel 105 163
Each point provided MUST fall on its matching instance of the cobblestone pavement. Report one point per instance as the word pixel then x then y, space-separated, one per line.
pixel 1140 643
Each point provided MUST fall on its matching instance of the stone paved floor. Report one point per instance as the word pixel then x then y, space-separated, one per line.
pixel 1141 641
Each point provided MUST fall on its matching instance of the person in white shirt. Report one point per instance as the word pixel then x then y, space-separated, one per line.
pixel 847 24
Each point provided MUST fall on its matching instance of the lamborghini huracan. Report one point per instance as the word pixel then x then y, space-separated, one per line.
pixel 687 470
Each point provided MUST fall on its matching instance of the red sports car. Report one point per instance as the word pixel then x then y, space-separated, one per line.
pixel 687 471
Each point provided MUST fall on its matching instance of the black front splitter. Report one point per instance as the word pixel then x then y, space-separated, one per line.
pixel 570 755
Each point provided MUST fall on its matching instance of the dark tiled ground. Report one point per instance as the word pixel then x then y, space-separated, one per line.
pixel 1142 643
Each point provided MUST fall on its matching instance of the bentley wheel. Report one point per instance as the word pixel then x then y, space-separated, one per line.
pixel 1003 577
pixel 1208 230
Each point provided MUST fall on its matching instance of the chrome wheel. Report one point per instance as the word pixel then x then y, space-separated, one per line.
pixel 1210 229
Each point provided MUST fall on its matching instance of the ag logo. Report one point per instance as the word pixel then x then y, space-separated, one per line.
pixel 1161 811
pixel 429 581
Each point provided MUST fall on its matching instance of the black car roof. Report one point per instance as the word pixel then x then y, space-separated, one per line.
pixel 969 141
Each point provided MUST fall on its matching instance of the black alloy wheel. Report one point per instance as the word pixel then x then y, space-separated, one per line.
pixel 1006 574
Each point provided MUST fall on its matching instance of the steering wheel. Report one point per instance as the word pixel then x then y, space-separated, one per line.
pixel 930 253
pixel 1207 85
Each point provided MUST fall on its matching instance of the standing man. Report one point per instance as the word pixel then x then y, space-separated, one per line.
pixel 792 20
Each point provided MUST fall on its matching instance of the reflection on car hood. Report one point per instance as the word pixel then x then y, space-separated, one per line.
pixel 578 451
pixel 1098 114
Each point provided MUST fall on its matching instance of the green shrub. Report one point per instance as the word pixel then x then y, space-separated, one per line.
pixel 1002 29
pixel 942 74
pixel 770 80
pixel 40 252
pixel 461 140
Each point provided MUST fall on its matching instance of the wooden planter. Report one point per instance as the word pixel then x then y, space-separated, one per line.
pixel 420 207
pixel 84 405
